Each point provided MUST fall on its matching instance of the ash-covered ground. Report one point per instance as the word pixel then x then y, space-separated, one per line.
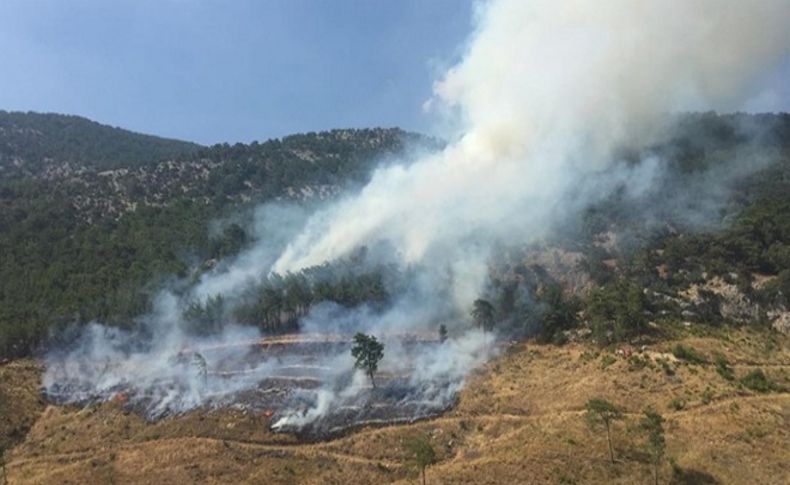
pixel 305 384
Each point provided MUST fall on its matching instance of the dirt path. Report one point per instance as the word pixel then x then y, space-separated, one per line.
pixel 302 450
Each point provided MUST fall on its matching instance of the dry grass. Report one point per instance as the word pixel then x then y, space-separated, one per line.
pixel 519 420
pixel 20 402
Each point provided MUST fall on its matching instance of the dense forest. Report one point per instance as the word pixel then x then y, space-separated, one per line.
pixel 32 143
pixel 93 234
pixel 710 244
pixel 92 217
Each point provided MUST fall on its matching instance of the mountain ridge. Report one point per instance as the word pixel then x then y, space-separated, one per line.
pixel 29 141
pixel 83 239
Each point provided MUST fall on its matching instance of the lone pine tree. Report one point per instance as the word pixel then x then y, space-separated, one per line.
pixel 367 352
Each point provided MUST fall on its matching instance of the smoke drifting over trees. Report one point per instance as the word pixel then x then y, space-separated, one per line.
pixel 547 93
pixel 558 104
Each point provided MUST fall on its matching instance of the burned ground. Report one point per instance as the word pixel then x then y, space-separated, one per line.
pixel 294 380
pixel 518 420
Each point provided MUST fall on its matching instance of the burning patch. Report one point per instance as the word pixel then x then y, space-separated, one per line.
pixel 304 384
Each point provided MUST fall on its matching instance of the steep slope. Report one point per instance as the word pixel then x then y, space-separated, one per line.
pixel 90 215
pixel 35 143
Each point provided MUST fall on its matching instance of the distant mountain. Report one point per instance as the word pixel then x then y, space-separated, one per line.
pixel 89 214
pixel 104 172
pixel 91 217
pixel 32 142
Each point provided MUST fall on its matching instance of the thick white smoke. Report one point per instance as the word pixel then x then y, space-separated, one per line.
pixel 546 93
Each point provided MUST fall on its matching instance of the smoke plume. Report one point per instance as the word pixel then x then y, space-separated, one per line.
pixel 547 91
pixel 545 96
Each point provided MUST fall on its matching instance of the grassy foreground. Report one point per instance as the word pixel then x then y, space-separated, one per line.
pixel 519 420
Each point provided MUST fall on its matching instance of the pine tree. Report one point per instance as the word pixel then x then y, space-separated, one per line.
pixel 601 411
pixel 652 423
pixel 422 452
pixel 367 352
pixel 483 313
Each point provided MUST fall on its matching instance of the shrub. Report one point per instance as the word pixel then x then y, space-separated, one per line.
pixel 422 453
pixel 756 380
pixel 587 356
pixel 668 370
pixel 607 360
pixel 687 354
pixel 677 404
pixel 723 367
pixel 637 362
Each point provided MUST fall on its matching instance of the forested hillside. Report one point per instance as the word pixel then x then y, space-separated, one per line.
pixel 709 242
pixel 706 244
pixel 91 216
pixel 45 144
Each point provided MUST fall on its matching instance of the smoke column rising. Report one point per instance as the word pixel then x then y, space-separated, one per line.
pixel 545 94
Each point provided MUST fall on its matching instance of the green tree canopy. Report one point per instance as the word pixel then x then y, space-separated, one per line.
pixel 483 314
pixel 603 412
pixel 423 454
pixel 367 352
pixel 653 424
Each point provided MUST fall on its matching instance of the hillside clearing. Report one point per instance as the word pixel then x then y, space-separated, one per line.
pixel 519 420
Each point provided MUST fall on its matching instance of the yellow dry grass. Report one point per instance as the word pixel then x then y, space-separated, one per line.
pixel 20 402
pixel 519 420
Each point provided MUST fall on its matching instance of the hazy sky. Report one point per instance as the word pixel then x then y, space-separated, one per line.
pixel 239 70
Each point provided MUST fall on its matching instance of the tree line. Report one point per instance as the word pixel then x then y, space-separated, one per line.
pixel 63 263
pixel 278 302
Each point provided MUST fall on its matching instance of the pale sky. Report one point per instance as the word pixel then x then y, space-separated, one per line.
pixel 241 70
